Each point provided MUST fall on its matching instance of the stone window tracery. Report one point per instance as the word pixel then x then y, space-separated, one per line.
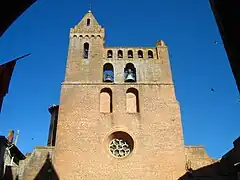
pixel 119 148
pixel 120 144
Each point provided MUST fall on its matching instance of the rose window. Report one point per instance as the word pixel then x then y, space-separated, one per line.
pixel 119 148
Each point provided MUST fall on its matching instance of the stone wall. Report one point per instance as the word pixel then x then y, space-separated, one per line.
pixel 206 168
pixel 197 157
pixel 151 117
pixel 37 164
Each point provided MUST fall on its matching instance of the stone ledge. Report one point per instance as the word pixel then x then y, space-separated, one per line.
pixel 44 147
pixel 123 84
pixel 194 146
pixel 126 47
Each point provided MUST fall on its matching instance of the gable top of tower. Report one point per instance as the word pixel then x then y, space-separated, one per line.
pixel 88 24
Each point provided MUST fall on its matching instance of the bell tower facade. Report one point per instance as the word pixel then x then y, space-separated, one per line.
pixel 118 118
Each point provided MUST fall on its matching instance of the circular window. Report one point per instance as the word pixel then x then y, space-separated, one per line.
pixel 120 144
pixel 119 148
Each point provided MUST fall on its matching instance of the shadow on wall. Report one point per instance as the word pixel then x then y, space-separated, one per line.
pixel 228 168
pixel 9 174
pixel 47 171
pixel 216 171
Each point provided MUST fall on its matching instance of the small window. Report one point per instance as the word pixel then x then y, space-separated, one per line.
pixel 132 100
pixel 109 53
pixel 130 54
pixel 85 50
pixel 88 22
pixel 108 73
pixel 130 73
pixel 106 100
pixel 150 54
pixel 120 54
pixel 140 54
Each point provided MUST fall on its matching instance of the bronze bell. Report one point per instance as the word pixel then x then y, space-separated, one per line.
pixel 108 78
pixel 130 76
pixel 109 55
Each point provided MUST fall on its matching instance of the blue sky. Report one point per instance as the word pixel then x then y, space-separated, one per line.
pixel 188 28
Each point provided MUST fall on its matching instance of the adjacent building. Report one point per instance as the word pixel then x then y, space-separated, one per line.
pixel 227 15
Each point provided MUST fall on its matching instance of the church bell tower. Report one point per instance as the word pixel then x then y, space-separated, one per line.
pixel 118 117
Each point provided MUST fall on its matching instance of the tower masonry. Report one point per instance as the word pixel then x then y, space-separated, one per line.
pixel 118 116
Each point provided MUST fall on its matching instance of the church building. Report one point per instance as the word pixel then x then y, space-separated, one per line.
pixel 118 115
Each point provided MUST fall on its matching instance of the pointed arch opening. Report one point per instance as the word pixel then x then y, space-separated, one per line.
pixel 106 100
pixel 85 50
pixel 109 54
pixel 108 73
pixel 132 100
pixel 130 54
pixel 140 54
pixel 150 54
pixel 120 54
pixel 88 22
pixel 129 73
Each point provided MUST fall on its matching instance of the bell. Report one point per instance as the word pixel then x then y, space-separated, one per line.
pixel 108 78
pixel 85 54
pixel 109 55
pixel 130 76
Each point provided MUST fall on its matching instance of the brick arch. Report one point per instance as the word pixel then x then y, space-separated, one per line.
pixel 120 54
pixel 109 53
pixel 132 100
pixel 130 66
pixel 106 100
pixel 140 54
pixel 85 50
pixel 150 54
pixel 130 54
pixel 108 72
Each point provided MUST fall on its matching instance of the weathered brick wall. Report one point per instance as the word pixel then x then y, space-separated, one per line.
pixel 198 157
pixel 82 130
pixel 82 147
pixel 206 168
pixel 85 70
pixel 35 164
